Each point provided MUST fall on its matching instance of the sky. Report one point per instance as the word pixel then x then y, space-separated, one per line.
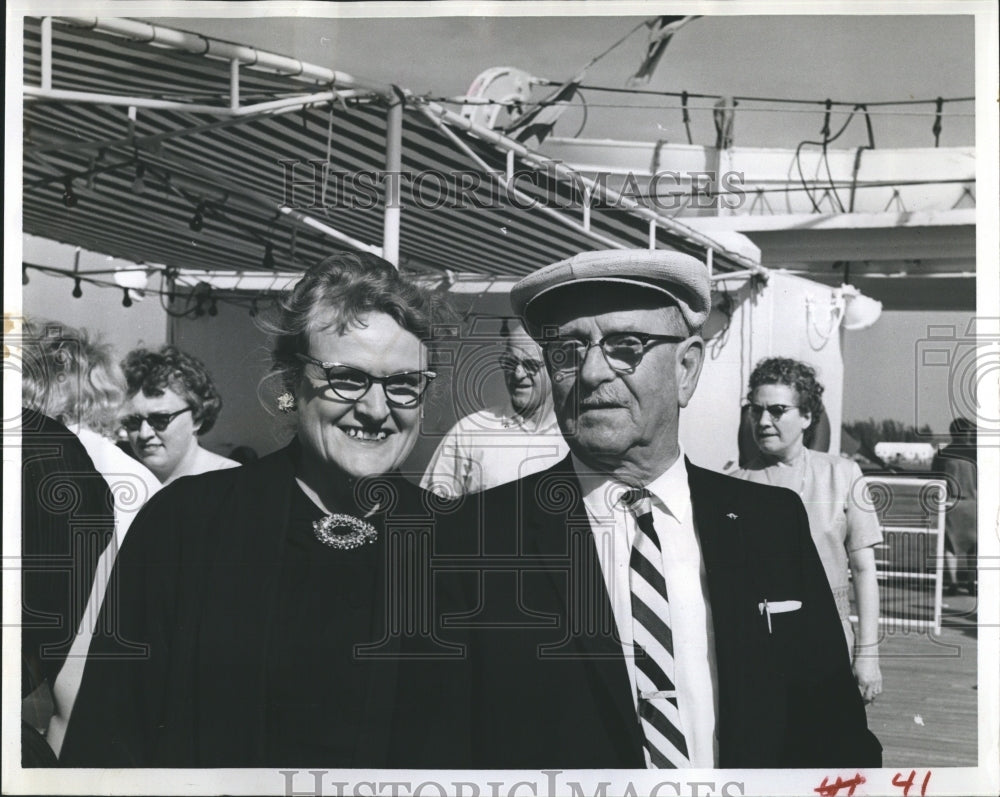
pixel 845 58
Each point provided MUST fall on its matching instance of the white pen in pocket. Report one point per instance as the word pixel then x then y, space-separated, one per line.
pixel 767 608
pixel 662 694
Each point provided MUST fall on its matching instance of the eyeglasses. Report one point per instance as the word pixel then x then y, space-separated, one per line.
pixel 510 363
pixel 623 351
pixel 404 389
pixel 159 421
pixel 776 411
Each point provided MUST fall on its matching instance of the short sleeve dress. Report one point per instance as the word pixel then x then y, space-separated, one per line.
pixel 841 520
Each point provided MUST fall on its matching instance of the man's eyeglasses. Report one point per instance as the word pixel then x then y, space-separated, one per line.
pixel 404 389
pixel 776 411
pixel 623 351
pixel 159 421
pixel 510 363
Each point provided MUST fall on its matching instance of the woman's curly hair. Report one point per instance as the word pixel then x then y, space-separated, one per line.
pixel 335 294
pixel 169 368
pixel 71 377
pixel 796 375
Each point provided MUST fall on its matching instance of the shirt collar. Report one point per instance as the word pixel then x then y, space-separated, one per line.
pixel 542 422
pixel 601 493
pixel 671 489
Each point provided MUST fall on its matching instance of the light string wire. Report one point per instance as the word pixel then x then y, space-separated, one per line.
pixel 743 109
pixel 199 297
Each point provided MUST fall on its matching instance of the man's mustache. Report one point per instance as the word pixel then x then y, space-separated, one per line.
pixel 598 399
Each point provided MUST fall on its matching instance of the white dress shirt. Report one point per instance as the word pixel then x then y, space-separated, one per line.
pixel 683 568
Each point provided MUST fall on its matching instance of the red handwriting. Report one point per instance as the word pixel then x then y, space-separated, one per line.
pixel 907 784
pixel 826 789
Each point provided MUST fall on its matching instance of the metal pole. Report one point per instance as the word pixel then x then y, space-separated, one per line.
pixel 46 53
pixel 511 190
pixel 215 48
pixel 309 221
pixel 93 98
pixel 234 84
pixel 733 275
pixel 90 98
pixel 393 168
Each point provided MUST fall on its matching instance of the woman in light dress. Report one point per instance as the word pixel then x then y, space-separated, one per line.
pixel 785 401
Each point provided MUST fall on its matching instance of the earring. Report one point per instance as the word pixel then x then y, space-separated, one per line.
pixel 286 402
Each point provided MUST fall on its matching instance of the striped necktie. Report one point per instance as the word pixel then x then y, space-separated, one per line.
pixel 666 747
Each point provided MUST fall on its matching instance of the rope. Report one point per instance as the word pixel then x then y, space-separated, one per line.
pixel 681 107
pixel 823 102
pixel 598 57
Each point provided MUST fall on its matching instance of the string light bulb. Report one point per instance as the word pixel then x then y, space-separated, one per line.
pixel 268 256
pixel 138 184
pixel 197 220
pixel 25 279
pixel 170 279
pixel 77 289
pixel 69 199
pixel 126 300
pixel 213 307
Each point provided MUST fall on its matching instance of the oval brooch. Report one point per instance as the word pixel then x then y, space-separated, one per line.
pixel 344 532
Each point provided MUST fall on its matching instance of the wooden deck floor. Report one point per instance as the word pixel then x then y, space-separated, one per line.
pixel 927 714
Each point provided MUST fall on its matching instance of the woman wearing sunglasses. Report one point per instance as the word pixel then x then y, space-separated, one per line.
pixel 785 401
pixel 260 615
pixel 171 403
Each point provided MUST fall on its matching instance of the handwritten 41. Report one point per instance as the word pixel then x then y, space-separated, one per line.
pixel 827 789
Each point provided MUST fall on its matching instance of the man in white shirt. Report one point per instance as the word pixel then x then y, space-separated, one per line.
pixel 633 610
pixel 501 444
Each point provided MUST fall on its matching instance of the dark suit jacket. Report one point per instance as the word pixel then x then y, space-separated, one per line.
pixel 551 688
pixel 67 520
pixel 176 678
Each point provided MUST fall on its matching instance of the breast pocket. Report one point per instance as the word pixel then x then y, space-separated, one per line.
pixel 782 622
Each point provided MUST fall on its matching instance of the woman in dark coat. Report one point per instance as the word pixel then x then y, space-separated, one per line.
pixel 266 616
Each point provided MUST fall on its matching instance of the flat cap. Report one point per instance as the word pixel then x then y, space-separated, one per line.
pixel 681 277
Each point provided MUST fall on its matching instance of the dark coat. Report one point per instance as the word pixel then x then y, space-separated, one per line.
pixel 550 682
pixel 179 681
pixel 67 520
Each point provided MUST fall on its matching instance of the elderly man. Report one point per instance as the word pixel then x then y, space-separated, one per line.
pixel 634 610
pixel 503 443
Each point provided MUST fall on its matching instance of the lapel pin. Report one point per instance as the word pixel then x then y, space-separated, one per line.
pixel 732 516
